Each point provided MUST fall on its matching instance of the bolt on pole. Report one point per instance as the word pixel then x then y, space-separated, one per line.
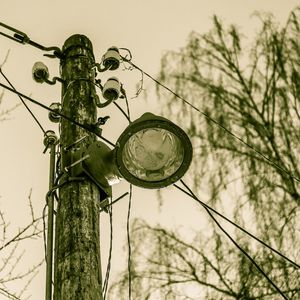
pixel 77 266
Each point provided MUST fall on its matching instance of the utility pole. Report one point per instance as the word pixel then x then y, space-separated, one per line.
pixel 77 263
pixel 77 267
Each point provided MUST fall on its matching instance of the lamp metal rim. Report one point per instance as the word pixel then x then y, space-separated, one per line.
pixel 147 121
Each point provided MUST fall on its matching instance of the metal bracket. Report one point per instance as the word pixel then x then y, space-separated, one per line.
pixel 81 161
pixel 67 148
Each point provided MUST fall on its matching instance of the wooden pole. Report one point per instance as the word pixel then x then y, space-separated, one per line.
pixel 77 267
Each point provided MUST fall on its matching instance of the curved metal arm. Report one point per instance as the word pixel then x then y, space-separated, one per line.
pixel 53 81
pixel 100 70
pixel 99 104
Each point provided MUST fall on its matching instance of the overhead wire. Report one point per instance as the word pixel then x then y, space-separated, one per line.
pixel 113 202
pixel 207 208
pixel 27 107
pixel 122 111
pixel 127 106
pixel 214 121
pixel 88 128
pixel 108 268
pixel 236 225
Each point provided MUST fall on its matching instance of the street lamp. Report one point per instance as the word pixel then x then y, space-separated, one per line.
pixel 153 152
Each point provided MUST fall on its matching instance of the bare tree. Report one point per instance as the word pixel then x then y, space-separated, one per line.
pixel 12 266
pixel 167 267
pixel 246 144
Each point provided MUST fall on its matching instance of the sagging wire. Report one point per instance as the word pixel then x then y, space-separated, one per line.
pixel 29 110
pixel 208 210
pixel 127 104
pixel 129 243
pixel 89 128
pixel 236 225
pixel 113 202
pixel 22 38
pixel 122 111
pixel 109 207
pixel 208 117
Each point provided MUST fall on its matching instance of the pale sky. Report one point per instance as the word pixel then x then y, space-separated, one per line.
pixel 148 29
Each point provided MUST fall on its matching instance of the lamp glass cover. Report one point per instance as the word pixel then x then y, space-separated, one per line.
pixel 153 154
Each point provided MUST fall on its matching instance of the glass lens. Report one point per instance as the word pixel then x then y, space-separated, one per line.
pixel 153 154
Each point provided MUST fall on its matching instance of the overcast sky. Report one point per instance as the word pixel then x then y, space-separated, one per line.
pixel 148 29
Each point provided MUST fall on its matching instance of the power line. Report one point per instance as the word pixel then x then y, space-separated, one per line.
pixel 108 268
pixel 234 224
pixel 122 111
pixel 113 202
pixel 129 243
pixel 127 106
pixel 89 128
pixel 192 195
pixel 29 110
pixel 107 274
pixel 214 121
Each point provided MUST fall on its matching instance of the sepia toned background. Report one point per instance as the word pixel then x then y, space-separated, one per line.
pixel 148 29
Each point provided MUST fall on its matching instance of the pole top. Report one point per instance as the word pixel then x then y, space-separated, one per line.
pixel 78 41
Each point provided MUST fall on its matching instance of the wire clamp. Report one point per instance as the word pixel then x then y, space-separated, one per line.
pixel 102 120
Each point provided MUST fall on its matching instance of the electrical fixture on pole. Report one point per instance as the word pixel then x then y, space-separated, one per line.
pixel 152 152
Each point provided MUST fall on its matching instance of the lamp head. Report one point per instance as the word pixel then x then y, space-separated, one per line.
pixel 153 152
